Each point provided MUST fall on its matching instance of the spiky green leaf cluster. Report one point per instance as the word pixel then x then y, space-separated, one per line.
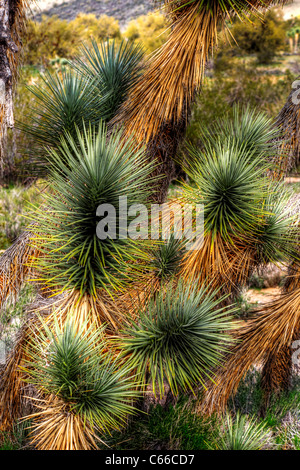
pixel 99 170
pixel 276 238
pixel 63 103
pixel 166 258
pixel 113 67
pixel 230 178
pixel 242 433
pixel 231 186
pixel 92 89
pixel 247 128
pixel 75 366
pixel 178 338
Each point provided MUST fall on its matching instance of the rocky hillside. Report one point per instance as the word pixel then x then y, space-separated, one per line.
pixel 123 10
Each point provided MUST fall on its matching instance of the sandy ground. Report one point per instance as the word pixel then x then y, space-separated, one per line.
pixel 262 296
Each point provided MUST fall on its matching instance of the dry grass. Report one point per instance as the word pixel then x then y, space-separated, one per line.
pixel 55 427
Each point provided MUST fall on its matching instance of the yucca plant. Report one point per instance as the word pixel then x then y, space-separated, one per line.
pixel 90 90
pixel 73 366
pixel 247 127
pixel 166 258
pixel 113 67
pixel 242 433
pixel 99 171
pixel 177 339
pixel 74 257
pixel 275 240
pixel 157 109
pixel 230 184
pixel 246 217
pixel 64 103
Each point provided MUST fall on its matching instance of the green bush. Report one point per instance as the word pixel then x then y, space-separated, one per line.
pixel 151 30
pixel 243 433
pixel 265 39
pixel 53 37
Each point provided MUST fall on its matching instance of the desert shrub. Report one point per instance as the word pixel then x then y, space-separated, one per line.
pixel 243 305
pixel 249 399
pixel 17 170
pixel 87 26
pixel 13 315
pixel 219 93
pixel 48 39
pixel 151 30
pixel 265 39
pixel 14 203
pixel 16 439
pixel 53 37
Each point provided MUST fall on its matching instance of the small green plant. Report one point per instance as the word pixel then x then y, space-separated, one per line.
pixel 16 439
pixel 256 281
pixel 249 396
pixel 74 369
pixel 243 305
pixel 242 433
pixel 173 427
pixel 14 204
pixel 178 338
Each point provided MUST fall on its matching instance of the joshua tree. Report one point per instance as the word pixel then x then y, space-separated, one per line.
pixel 87 168
pixel 157 109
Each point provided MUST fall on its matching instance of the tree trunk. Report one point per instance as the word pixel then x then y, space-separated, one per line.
pixel 7 49
pixel 277 371
pixel 296 43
